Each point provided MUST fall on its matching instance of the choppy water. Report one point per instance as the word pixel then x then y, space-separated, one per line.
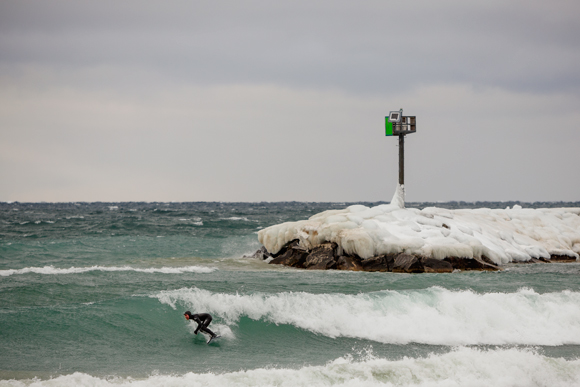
pixel 94 294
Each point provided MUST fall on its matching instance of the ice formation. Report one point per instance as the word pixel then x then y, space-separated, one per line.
pixel 509 235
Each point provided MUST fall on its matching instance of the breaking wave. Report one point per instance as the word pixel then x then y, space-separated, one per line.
pixel 435 316
pixel 459 367
pixel 51 270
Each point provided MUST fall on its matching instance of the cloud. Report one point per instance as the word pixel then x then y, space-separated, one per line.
pixel 370 47
pixel 209 100
pixel 249 142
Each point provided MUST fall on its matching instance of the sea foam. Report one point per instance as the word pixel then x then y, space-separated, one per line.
pixel 51 270
pixel 431 316
pixel 459 367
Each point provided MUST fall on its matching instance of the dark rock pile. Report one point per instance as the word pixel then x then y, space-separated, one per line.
pixel 562 258
pixel 327 257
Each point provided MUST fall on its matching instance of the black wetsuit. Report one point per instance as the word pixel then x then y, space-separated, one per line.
pixel 202 320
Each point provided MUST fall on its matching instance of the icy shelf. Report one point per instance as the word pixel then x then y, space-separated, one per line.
pixel 510 235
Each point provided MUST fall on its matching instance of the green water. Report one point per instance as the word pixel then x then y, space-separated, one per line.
pixel 91 292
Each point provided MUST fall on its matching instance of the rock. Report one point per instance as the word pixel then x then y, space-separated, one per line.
pixel 381 263
pixel 471 264
pixel 290 245
pixel 487 265
pixel 320 254
pixel 293 255
pixel 531 260
pixel 262 253
pixel 324 257
pixel 535 260
pixel 562 258
pixel 487 260
pixel 406 263
pixel 326 264
pixel 345 262
pixel 432 265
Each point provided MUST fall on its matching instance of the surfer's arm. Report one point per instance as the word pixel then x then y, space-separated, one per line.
pixel 196 318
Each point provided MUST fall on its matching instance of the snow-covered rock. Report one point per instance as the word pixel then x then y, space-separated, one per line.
pixel 509 235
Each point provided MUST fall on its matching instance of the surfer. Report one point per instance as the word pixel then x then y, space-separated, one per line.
pixel 202 320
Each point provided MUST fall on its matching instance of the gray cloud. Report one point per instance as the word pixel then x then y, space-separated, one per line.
pixel 364 47
pixel 180 100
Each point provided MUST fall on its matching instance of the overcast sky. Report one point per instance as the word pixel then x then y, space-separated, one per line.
pixel 139 100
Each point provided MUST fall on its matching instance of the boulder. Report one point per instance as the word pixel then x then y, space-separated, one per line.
pixel 381 263
pixel 293 244
pixel 262 254
pixel 488 264
pixel 293 255
pixel 321 253
pixel 345 262
pixel 406 263
pixel 562 258
pixel 471 264
pixel 326 264
pixel 432 265
pixel 531 260
pixel 487 260
pixel 324 257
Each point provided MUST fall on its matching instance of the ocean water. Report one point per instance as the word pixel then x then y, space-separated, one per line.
pixel 94 293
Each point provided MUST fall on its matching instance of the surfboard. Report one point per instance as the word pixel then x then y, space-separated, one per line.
pixel 213 338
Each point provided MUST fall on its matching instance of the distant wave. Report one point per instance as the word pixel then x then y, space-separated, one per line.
pixel 431 316
pixel 238 218
pixel 76 270
pixel 460 367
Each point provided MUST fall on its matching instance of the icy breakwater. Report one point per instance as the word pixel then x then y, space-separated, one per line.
pixel 393 238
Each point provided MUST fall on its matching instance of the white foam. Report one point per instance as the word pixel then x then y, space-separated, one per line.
pixel 502 235
pixel 195 221
pixel 460 367
pixel 51 270
pixel 222 330
pixel 238 218
pixel 431 316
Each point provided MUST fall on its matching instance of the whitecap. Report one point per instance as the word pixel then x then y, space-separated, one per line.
pixel 433 316
pixel 51 270
pixel 459 367
pixel 239 218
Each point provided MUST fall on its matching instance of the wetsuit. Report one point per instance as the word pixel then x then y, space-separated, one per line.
pixel 202 320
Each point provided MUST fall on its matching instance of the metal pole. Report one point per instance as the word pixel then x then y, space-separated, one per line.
pixel 401 159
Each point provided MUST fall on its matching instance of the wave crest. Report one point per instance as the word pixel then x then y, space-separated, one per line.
pixel 51 270
pixel 430 316
pixel 460 367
